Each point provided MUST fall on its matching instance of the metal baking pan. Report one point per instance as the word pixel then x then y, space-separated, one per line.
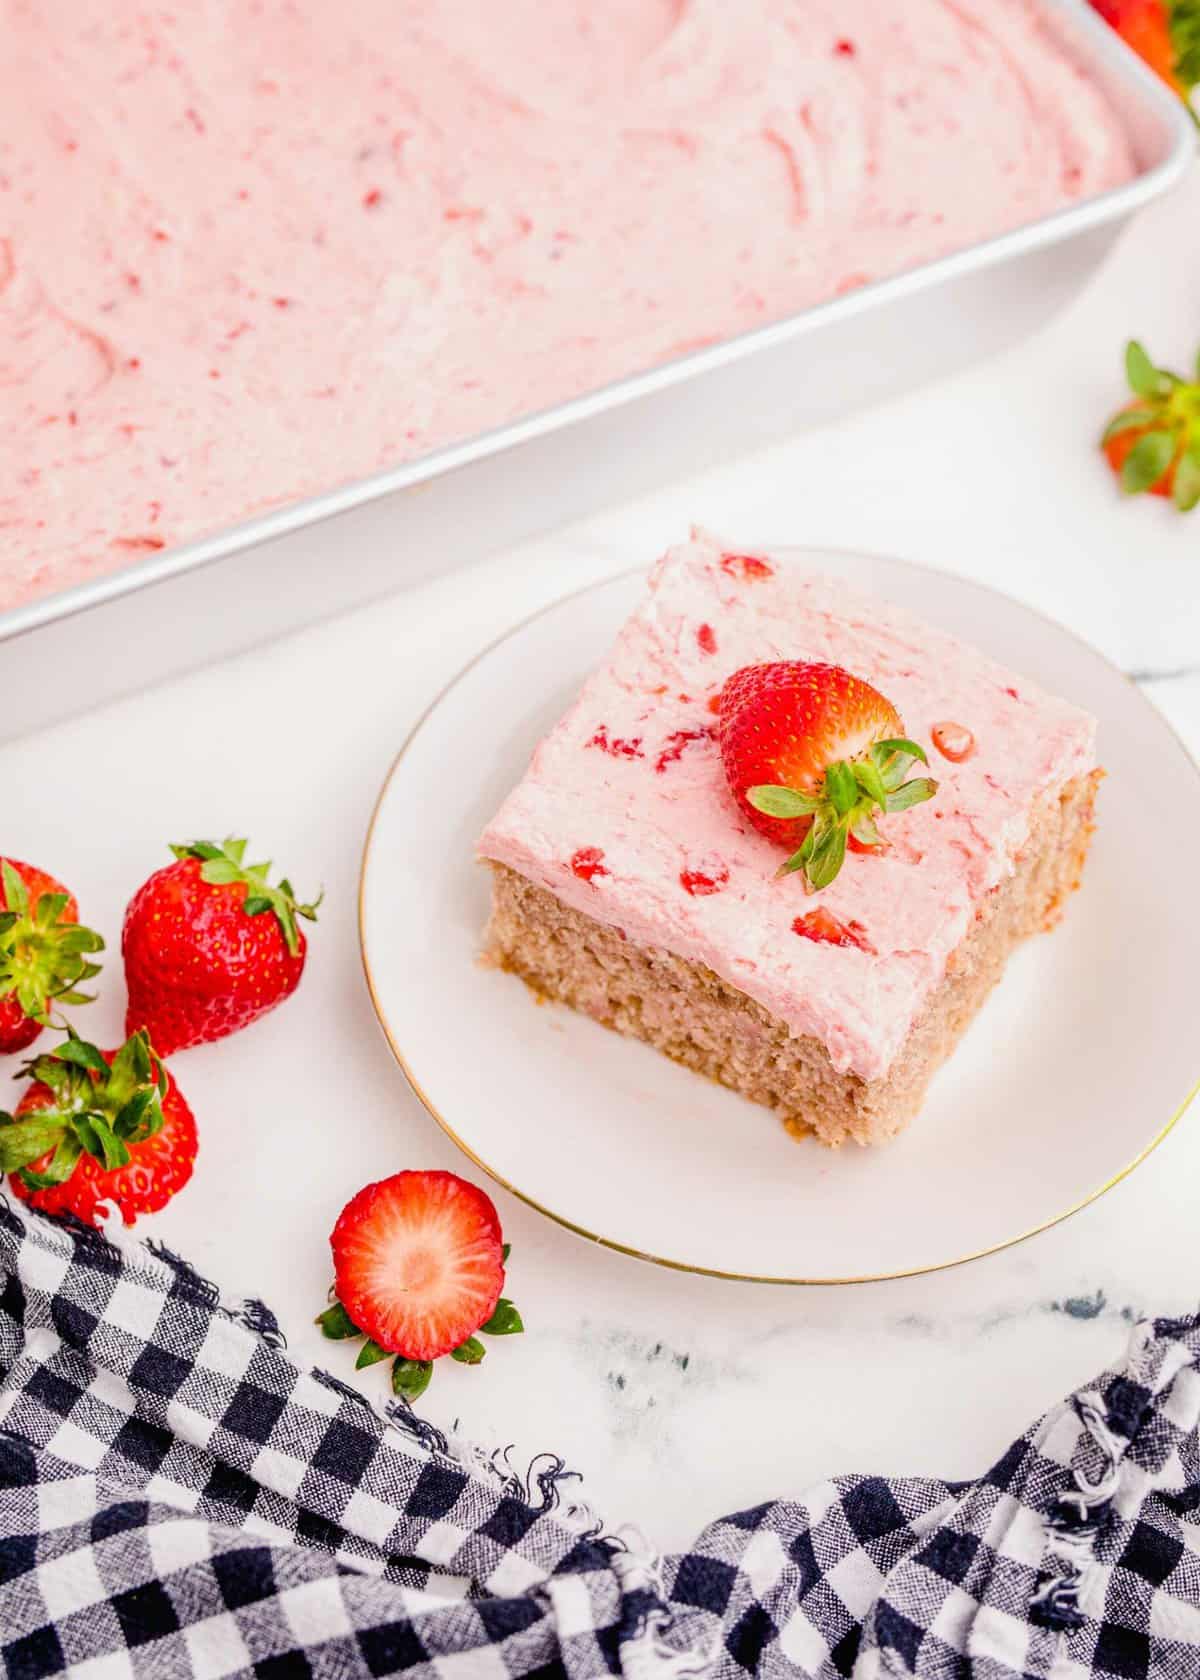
pixel 310 559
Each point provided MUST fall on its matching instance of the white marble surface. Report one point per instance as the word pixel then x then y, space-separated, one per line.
pixel 677 1396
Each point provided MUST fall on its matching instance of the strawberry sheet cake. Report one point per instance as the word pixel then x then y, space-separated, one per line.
pixel 251 250
pixel 731 848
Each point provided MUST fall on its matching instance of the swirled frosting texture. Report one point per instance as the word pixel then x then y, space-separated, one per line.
pixel 255 248
pixel 633 773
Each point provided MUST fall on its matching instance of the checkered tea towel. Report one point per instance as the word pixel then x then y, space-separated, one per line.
pixel 178 1500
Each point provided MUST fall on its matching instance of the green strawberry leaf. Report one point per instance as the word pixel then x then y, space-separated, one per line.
pixel 198 849
pixel 1128 420
pixel 62 1164
pixel 1186 489
pixel 75 940
pixel 370 1354
pixel 58 1076
pixel 470 1352
pixel 337 1324
pixel 782 802
pixel 221 872
pixel 900 744
pixel 48 909
pixel 22 1141
pixel 864 830
pixel 225 865
pixel 505 1252
pixel 912 793
pixel 411 1377
pixel 1147 461
pixel 101 1142
pixel 79 1053
pixel 841 788
pixel 1140 371
pixel 827 859
pixel 16 894
pixel 141 1117
pixel 870 781
pixel 133 1065
pixel 505 1321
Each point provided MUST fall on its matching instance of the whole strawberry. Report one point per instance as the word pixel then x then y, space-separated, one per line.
pixel 43 952
pixel 1165 34
pixel 1153 443
pixel 209 946
pixel 812 754
pixel 98 1126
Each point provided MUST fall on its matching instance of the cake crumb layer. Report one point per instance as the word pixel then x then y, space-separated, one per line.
pixel 689 1013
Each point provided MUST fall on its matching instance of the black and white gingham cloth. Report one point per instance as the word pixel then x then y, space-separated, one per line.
pixel 178 1500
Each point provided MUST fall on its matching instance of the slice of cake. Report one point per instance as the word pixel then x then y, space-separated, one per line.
pixel 729 847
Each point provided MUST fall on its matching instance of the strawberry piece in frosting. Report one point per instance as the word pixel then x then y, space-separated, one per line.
pixel 823 926
pixel 587 863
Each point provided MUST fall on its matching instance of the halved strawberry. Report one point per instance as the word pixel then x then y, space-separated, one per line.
pixel 811 754
pixel 43 952
pixel 98 1126
pixel 418 1262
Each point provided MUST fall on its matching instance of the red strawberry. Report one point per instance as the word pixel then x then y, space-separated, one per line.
pixel 1165 34
pixel 953 740
pixel 43 952
pixel 825 928
pixel 209 946
pixel 99 1126
pixel 587 863
pixel 811 753
pixel 418 1262
pixel 1153 443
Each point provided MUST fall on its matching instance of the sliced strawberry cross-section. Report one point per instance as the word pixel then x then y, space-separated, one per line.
pixel 418 1262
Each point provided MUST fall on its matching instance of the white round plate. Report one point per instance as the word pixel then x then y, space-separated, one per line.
pixel 1078 1065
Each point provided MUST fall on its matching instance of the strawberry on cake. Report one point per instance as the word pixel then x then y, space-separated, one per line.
pixel 788 834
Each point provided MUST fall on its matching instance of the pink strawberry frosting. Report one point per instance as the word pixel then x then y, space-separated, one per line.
pixel 253 249
pixel 633 773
